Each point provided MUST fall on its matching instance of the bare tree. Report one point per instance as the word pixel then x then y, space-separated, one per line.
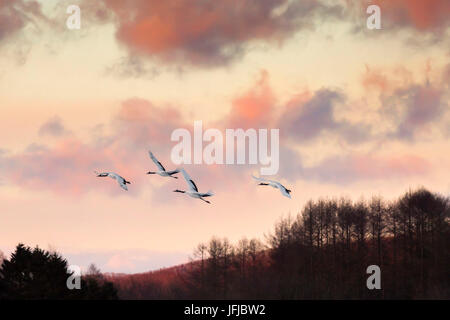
pixel 2 258
pixel 201 253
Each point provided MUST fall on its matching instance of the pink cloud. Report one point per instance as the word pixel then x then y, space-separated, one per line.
pixel 67 165
pixel 390 167
pixel 254 108
pixel 206 33
pixel 362 167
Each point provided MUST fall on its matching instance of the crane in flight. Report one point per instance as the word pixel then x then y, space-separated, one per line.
pixel 122 182
pixel 161 170
pixel 193 190
pixel 274 184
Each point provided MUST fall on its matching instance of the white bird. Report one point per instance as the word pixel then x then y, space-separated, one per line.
pixel 162 171
pixel 265 182
pixel 193 190
pixel 122 182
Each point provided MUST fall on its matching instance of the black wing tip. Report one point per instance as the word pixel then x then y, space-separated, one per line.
pixel 195 186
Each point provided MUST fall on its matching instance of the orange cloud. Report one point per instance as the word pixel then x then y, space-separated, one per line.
pixel 207 33
pixel 374 79
pixel 423 15
pixel 254 108
pixel 67 165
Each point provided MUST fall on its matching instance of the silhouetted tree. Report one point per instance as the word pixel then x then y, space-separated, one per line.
pixel 323 253
pixel 2 257
pixel 39 274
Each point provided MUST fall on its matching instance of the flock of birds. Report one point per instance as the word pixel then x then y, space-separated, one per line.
pixel 192 190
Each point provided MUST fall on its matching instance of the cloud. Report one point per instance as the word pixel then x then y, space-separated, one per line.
pixel 307 120
pixel 360 167
pixel 10 20
pixel 410 106
pixel 423 16
pixel 420 16
pixel 132 67
pixel 208 33
pixel 254 108
pixel 15 17
pixel 53 127
pixel 66 166
pixel 418 23
pixel 375 79
pixel 424 105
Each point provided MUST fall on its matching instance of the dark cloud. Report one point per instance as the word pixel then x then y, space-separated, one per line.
pixel 16 14
pixel 307 121
pixel 15 17
pixel 207 33
pixel 11 21
pixel 310 119
pixel 424 106
pixel 415 108
pixel 420 15
pixel 418 23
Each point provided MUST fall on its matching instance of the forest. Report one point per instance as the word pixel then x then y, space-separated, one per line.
pixel 321 253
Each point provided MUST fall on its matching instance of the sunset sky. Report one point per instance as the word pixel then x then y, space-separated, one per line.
pixel 360 112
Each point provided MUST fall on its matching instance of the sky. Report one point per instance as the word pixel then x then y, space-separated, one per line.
pixel 360 112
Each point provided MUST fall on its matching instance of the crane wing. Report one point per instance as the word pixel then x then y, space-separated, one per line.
pixel 283 190
pixel 259 179
pixel 119 180
pixel 123 185
pixel 173 171
pixel 158 164
pixel 189 181
pixel 208 194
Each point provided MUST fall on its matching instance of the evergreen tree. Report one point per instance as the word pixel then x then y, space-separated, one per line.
pixel 39 274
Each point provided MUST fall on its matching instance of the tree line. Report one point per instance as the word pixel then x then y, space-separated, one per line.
pixel 323 253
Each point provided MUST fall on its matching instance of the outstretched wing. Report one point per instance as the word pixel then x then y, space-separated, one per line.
pixel 283 190
pixel 208 194
pixel 275 184
pixel 120 180
pixel 173 172
pixel 259 179
pixel 189 181
pixel 123 185
pixel 158 164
